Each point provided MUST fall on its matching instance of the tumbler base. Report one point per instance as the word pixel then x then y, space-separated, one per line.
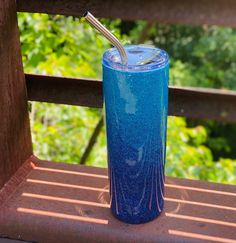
pixel 138 219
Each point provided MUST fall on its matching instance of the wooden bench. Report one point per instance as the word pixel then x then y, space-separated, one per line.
pixel 42 201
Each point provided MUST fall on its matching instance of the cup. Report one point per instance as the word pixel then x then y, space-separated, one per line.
pixel 136 109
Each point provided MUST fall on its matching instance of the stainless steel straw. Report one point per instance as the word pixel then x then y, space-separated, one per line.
pixel 105 32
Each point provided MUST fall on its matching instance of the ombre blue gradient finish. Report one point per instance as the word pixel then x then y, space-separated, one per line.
pixel 136 105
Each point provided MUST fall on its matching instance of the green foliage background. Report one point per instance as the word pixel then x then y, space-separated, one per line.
pixel 200 56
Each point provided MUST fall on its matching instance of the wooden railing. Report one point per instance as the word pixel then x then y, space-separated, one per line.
pixel 188 102
pixel 53 202
pixel 197 12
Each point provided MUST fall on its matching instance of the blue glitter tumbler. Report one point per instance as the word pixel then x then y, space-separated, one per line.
pixel 136 108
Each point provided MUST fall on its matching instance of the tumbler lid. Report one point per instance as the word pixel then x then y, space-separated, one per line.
pixel 140 58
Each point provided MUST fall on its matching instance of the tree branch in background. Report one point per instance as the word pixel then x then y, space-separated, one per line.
pixel 92 141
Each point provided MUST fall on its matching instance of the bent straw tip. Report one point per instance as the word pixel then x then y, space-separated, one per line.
pixel 104 31
pixel 86 14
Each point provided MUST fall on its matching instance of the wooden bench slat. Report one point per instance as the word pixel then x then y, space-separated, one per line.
pixel 59 202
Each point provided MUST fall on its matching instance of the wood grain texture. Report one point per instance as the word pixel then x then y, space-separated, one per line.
pixel 199 103
pixel 195 12
pixel 7 240
pixel 61 90
pixel 15 180
pixel 64 203
pixel 15 138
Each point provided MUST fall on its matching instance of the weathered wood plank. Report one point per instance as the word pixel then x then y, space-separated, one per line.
pixel 196 12
pixel 61 90
pixel 188 102
pixel 15 138
pixel 213 104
